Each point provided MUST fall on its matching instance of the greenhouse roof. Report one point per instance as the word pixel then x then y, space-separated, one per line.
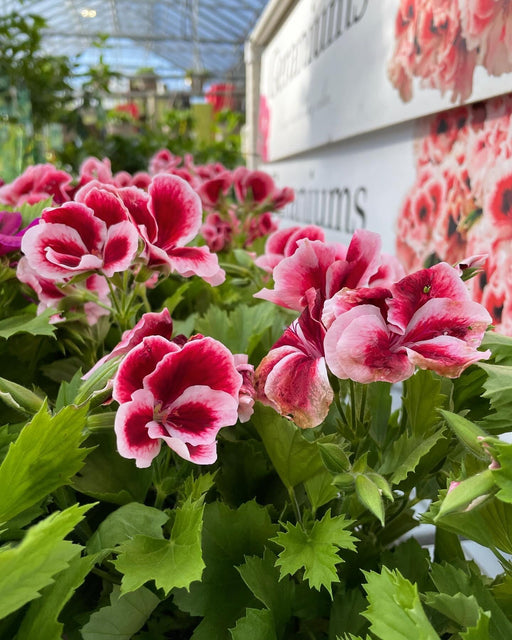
pixel 169 37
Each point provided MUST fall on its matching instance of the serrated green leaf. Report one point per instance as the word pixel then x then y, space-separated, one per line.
pixel 222 596
pixel 411 559
pixel 28 323
pixel 45 457
pixel 480 631
pixel 314 550
pixel 294 458
pixel 422 401
pixel 41 620
pixel 406 453
pixel 124 524
pixel 68 391
pixel 500 345
pixel 123 617
pixel 32 565
pixel 257 624
pixel 31 211
pixel 176 562
pixel 320 490
pixel 395 611
pixel 451 580
pixel 462 609
pixel 498 389
pixel 263 579
pixel 503 474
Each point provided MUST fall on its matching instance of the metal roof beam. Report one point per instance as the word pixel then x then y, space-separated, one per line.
pixel 139 37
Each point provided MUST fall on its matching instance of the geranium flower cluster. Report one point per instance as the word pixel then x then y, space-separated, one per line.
pixel 461 201
pixel 361 320
pixel 442 41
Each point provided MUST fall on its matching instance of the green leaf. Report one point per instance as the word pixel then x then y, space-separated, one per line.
pixel 263 579
pixel 320 490
pixel 107 476
pixel 240 329
pixel 170 563
pixel 370 496
pixel 32 565
pixel 44 457
pixel 257 624
pixel 124 524
pixel 452 580
pixel 412 560
pixel 333 457
pixel 315 550
pixel 222 596
pixel 68 391
pixel 294 458
pixel 378 402
pixel 28 323
pixel 406 453
pixel 500 345
pixel 125 615
pixel 498 388
pixel 502 451
pixel 422 401
pixel 480 631
pixel 395 610
pixel 30 211
pixel 462 609
pixel 41 619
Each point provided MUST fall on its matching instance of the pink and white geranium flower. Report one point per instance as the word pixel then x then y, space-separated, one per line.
pixel 427 320
pixel 76 238
pixel 168 217
pixel 178 395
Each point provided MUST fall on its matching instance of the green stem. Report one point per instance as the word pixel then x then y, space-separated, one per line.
pixel 362 407
pixel 295 504
pixel 353 405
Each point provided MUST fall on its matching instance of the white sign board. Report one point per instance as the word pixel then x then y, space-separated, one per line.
pixel 338 68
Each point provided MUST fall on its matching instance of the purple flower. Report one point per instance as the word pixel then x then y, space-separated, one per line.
pixel 10 232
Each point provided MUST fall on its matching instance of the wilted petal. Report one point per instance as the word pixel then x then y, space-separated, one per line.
pixel 138 363
pixel 358 345
pixel 296 385
pixel 133 419
pixel 196 416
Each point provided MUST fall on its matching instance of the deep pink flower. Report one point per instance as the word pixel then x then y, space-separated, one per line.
pixel 214 190
pixel 253 186
pixel 72 239
pixel 428 322
pixel 181 396
pixel 94 169
pixel 218 232
pixel 168 217
pixel 37 182
pixel 325 268
pixel 283 243
pixel 259 226
pixel 292 377
pixel 163 161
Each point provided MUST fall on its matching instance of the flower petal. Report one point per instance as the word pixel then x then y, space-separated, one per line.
pixel 138 363
pixel 358 345
pixel 177 210
pixel 198 414
pixel 446 355
pixel 198 261
pixel 120 247
pixel 131 426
